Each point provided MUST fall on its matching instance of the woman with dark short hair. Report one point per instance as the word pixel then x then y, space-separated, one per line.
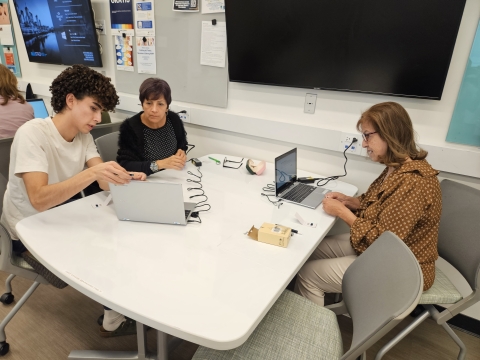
pixel 154 139
pixel 405 199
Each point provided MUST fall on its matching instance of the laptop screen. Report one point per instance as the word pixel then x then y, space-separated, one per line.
pixel 39 108
pixel 285 170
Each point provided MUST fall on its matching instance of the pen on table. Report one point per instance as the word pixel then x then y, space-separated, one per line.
pixel 217 161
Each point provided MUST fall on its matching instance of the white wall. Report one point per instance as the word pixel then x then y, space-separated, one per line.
pixel 263 121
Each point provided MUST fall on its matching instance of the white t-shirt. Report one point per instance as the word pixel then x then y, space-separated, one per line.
pixel 38 146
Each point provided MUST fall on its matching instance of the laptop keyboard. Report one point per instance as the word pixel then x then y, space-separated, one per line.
pixel 299 193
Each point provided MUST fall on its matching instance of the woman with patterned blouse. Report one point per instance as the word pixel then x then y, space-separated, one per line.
pixel 405 199
pixel 154 139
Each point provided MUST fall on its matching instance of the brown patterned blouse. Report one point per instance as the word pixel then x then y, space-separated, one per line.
pixel 408 203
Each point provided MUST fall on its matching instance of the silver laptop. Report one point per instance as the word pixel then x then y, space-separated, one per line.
pixel 152 202
pixel 289 189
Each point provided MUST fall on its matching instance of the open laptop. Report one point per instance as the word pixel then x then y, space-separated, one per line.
pixel 289 189
pixel 152 202
pixel 39 109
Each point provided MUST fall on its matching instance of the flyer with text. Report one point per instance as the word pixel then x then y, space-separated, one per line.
pixel 186 5
pixel 144 18
pixel 146 61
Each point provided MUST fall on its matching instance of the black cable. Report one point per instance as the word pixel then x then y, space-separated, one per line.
pixel 269 187
pixel 192 146
pixel 330 178
pixel 196 216
pixel 202 203
pixel 199 177
pixel 209 207
pixel 277 203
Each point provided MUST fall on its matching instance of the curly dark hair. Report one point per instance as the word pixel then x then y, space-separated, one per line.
pixel 81 81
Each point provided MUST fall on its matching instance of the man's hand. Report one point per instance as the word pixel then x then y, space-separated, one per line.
pixel 111 172
pixel 138 176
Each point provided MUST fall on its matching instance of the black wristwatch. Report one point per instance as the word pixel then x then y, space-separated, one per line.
pixel 154 167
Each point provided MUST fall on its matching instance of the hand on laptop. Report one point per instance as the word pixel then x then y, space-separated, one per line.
pixel 111 172
pixel 350 202
pixel 332 206
pixel 138 176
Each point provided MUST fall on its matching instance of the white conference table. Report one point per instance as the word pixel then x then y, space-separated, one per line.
pixel 206 283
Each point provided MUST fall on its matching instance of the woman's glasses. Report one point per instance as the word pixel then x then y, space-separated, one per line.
pixel 365 136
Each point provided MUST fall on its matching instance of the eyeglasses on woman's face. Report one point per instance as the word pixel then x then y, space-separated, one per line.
pixel 366 136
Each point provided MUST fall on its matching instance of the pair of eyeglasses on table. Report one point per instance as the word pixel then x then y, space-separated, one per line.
pixel 235 164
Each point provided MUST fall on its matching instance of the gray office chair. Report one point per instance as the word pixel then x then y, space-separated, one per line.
pixel 5 145
pixel 380 288
pixel 459 245
pixel 105 118
pixel 15 266
pixel 104 128
pixel 107 146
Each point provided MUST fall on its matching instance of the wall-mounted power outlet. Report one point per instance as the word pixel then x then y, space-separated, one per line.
pixel 100 26
pixel 346 139
pixel 183 112
pixel 310 102
pixel 185 117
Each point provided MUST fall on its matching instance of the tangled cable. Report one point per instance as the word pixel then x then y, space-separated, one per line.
pixel 198 181
pixel 271 188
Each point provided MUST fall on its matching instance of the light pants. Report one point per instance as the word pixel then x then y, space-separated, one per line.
pixel 323 272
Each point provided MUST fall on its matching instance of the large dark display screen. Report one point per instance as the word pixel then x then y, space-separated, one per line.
pixel 387 47
pixel 59 31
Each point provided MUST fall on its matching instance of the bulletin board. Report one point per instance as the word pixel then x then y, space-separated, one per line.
pixel 8 53
pixel 178 46
pixel 465 124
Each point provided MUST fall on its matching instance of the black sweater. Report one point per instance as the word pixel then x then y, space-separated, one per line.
pixel 130 154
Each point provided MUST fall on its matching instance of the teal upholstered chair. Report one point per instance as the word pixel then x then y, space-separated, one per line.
pixel 459 245
pixel 379 289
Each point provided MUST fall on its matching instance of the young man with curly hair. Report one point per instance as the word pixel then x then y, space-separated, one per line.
pixel 53 159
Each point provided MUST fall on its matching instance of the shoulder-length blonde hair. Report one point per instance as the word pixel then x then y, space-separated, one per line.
pixel 8 86
pixel 392 123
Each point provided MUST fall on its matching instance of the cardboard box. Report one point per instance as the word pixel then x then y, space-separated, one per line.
pixel 271 234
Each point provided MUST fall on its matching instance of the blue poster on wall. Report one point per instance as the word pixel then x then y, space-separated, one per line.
pixel 465 124
pixel 121 17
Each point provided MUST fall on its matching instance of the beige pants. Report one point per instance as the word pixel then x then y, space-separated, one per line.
pixel 323 271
